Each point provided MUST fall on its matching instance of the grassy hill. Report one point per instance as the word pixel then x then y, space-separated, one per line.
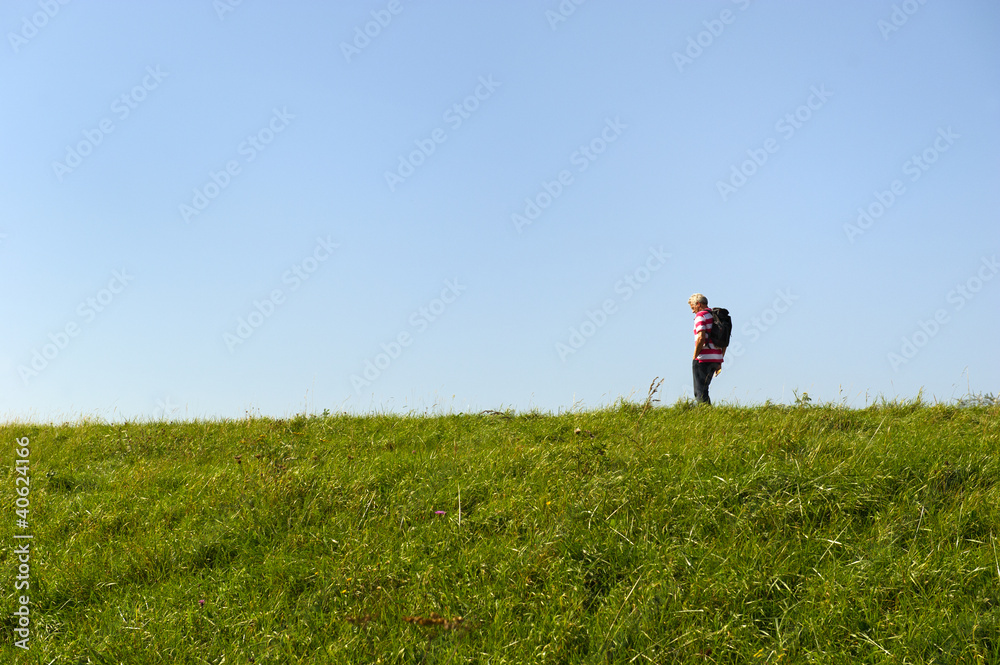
pixel 627 535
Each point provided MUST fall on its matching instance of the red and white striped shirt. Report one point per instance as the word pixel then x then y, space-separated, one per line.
pixel 710 353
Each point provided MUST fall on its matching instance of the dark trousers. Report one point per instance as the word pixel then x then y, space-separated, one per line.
pixel 703 373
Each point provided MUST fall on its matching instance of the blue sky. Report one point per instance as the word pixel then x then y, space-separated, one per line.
pixel 213 209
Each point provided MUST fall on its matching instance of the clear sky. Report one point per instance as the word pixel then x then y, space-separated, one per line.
pixel 219 208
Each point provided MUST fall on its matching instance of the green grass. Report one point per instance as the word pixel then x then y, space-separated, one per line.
pixel 666 535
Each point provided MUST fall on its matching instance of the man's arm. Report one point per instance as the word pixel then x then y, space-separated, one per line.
pixel 699 343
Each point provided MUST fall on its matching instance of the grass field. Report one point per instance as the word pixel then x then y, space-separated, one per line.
pixel 810 534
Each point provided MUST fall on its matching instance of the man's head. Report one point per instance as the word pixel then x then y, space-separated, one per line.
pixel 698 302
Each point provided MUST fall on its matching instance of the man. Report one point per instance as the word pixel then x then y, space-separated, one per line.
pixel 707 361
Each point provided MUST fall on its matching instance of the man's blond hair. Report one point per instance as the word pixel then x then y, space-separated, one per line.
pixel 698 298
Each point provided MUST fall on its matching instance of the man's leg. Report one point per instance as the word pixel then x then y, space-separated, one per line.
pixel 703 373
pixel 700 382
pixel 710 370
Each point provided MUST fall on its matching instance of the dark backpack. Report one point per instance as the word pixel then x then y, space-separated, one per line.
pixel 722 327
